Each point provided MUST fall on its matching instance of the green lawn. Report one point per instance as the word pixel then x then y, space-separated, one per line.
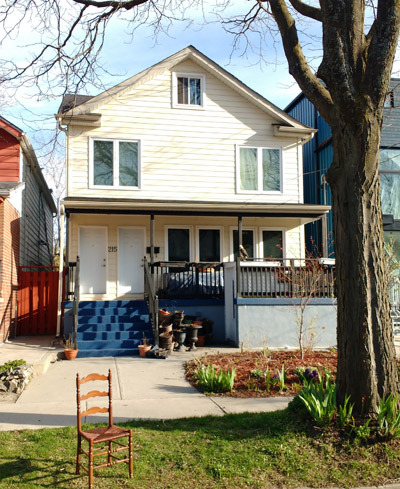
pixel 235 451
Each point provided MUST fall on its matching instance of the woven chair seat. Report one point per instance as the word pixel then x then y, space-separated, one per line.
pixel 98 435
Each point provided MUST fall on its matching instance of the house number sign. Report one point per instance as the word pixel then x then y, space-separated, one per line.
pixel 112 249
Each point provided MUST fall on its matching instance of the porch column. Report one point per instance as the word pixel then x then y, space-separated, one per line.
pixel 324 236
pixel 60 270
pixel 240 234
pixel 152 239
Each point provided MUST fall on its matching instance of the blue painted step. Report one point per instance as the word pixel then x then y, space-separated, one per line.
pixel 112 328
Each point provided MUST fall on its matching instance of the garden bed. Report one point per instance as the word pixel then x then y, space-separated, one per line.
pixel 258 373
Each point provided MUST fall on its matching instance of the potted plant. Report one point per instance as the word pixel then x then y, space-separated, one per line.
pixel 70 348
pixel 144 346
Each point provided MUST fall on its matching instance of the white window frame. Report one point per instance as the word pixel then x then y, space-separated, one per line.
pixel 177 226
pixel 261 241
pixel 255 243
pixel 221 241
pixel 115 185
pixel 175 103
pixel 259 170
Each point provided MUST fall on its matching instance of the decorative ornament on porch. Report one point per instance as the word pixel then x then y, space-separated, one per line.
pixel 144 346
pixel 70 348
pixel 191 334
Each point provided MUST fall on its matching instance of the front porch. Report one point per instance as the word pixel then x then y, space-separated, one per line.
pixel 212 290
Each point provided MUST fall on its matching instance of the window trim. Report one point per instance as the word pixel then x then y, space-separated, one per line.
pixel 261 241
pixel 115 142
pixel 259 170
pixel 221 241
pixel 174 83
pixel 177 226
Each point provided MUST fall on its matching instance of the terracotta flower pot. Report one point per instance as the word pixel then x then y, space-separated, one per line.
pixel 70 353
pixel 143 349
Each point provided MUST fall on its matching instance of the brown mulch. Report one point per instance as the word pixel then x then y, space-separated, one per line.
pixel 251 367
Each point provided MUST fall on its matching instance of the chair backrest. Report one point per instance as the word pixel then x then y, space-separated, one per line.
pixel 94 393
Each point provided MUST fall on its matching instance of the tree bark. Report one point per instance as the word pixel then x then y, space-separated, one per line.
pixel 366 355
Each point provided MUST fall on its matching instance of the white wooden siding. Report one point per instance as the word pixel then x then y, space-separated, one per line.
pixel 36 230
pixel 186 154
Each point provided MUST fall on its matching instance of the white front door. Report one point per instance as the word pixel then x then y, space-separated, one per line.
pixel 93 257
pixel 131 243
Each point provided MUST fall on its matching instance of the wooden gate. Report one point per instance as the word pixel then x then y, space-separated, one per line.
pixel 37 301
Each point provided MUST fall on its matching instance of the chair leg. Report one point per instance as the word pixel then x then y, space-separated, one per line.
pixel 90 464
pixel 78 455
pixel 109 459
pixel 130 455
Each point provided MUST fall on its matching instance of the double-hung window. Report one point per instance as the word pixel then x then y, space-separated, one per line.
pixel 115 163
pixel 188 90
pixel 259 170
pixel 389 172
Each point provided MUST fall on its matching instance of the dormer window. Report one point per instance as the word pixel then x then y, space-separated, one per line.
pixel 188 90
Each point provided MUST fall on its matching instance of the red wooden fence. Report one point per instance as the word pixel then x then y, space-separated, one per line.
pixel 37 301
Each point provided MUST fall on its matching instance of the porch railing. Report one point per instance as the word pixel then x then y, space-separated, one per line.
pixel 151 298
pixel 285 278
pixel 76 297
pixel 188 280
pixel 69 286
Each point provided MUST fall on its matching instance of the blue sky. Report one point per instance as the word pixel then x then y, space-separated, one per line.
pixel 124 56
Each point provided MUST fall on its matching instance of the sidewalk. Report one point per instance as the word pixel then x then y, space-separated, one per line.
pixel 142 388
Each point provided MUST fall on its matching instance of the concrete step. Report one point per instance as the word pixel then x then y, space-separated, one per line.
pixel 129 326
pixel 112 335
pixel 108 352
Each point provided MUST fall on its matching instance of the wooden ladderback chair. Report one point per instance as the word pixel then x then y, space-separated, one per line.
pixel 106 441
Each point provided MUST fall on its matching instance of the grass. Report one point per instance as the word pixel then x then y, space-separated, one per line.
pixel 234 451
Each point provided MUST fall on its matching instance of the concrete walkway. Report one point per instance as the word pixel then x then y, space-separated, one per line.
pixel 142 388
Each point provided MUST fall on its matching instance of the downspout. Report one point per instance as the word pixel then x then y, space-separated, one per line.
pixel 60 270
pixel 61 249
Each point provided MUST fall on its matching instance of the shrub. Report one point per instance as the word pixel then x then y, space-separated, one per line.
pixel 319 398
pixel 389 417
pixel 209 380
pixel 12 364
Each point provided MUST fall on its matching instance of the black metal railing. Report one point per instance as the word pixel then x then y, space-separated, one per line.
pixel 189 280
pixel 151 298
pixel 294 278
pixel 76 297
pixel 69 281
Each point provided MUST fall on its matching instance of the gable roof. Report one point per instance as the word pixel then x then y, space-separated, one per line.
pixel 82 107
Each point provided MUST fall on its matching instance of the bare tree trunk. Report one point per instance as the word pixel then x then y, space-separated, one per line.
pixel 366 357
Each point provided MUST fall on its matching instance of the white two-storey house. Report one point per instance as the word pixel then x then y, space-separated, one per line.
pixel 180 163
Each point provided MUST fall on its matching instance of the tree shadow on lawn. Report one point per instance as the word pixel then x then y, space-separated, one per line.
pixel 38 472
pixel 230 426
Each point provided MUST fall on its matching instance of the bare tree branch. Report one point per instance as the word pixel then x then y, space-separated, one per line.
pixel 298 66
pixel 306 10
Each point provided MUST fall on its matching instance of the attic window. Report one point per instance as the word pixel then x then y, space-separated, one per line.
pixel 188 90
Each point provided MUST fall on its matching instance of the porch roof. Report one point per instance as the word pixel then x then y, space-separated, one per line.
pixel 89 205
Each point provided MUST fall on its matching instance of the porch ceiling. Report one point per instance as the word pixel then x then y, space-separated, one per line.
pixel 306 212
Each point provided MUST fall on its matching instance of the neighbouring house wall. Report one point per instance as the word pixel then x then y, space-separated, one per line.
pixel 36 223
pixel 9 261
pixel 9 157
pixel 273 323
pixel 185 154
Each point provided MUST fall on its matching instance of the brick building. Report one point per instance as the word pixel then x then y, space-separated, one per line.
pixel 26 218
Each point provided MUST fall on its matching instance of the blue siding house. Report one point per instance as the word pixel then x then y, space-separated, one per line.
pixel 317 157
